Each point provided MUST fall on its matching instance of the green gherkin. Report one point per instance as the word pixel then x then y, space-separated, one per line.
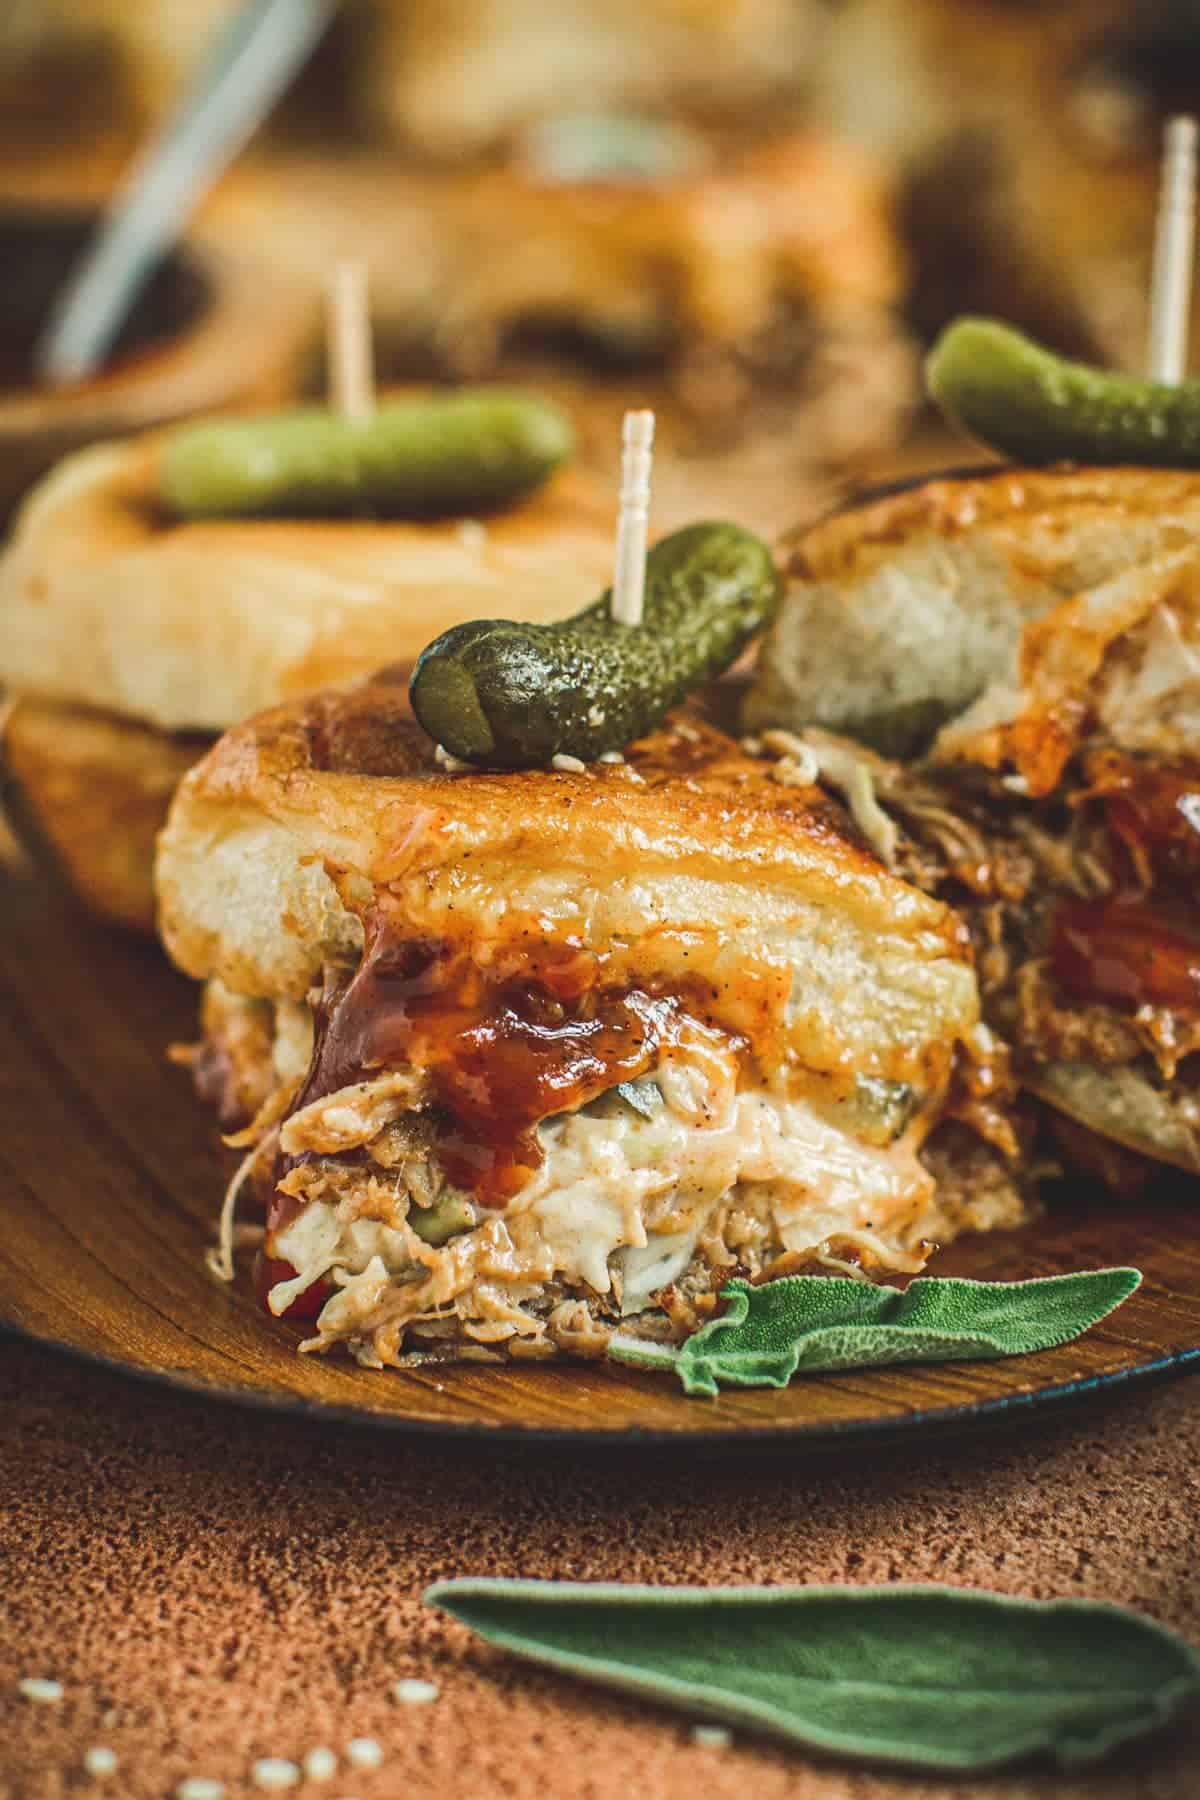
pixel 453 453
pixel 1036 407
pixel 510 696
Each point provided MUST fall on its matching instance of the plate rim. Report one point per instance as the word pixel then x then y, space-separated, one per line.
pixel 932 1422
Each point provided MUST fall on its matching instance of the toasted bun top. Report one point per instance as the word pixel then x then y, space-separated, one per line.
pixel 997 618
pixel 686 862
pixel 1053 511
pixel 106 601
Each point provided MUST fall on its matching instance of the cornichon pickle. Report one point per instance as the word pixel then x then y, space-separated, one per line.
pixel 512 696
pixel 459 452
pixel 1039 408
pixel 878 1111
pixel 451 1213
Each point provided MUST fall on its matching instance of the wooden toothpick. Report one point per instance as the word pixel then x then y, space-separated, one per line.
pixel 1171 282
pixel 348 349
pixel 629 575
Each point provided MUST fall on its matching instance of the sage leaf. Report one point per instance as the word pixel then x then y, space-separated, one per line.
pixel 811 1322
pixel 923 1677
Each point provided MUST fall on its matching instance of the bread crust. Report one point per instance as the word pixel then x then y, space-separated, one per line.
pixel 108 603
pixel 1009 610
pixel 1126 1106
pixel 1027 612
pixel 93 791
pixel 1053 510
pixel 853 536
pixel 687 861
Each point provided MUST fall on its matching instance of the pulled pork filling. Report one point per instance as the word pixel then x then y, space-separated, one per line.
pixel 455 1164
pixel 1081 908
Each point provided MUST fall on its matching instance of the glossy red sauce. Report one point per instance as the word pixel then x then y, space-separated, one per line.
pixel 1153 812
pixel 1127 952
pixel 269 1270
pixel 501 1054
pixel 1141 946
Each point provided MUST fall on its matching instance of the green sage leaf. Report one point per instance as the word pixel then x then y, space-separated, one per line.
pixel 923 1677
pixel 811 1322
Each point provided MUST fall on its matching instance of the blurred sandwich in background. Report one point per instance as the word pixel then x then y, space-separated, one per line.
pixel 130 639
pixel 1025 138
pixel 1011 661
pixel 1028 139
pixel 73 67
pixel 627 204
pixel 746 287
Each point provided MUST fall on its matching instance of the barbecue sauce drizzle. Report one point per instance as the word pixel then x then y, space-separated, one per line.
pixel 1141 945
pixel 502 1054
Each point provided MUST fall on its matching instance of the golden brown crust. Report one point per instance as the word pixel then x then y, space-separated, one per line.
pixel 686 862
pixel 94 792
pixel 856 537
pixel 1004 614
pixel 690 787
pixel 107 602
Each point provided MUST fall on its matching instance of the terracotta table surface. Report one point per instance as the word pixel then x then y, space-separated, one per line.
pixel 212 1586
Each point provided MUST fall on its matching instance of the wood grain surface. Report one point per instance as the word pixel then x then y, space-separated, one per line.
pixel 110 1178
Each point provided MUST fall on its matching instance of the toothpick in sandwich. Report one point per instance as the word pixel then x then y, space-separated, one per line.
pixel 1174 243
pixel 629 576
pixel 348 342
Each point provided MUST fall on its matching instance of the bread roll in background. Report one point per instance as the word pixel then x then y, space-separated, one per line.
pixel 130 639
pixel 1027 137
pixel 953 616
pixel 89 792
pixel 1031 640
pixel 107 601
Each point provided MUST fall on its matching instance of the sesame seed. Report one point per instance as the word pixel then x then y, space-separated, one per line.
pixel 99 1761
pixel 415 1693
pixel 711 1737
pixel 567 765
pixel 472 534
pixel 364 1753
pixel 274 1773
pixel 320 1764
pixel 200 1787
pixel 34 1687
pixel 610 756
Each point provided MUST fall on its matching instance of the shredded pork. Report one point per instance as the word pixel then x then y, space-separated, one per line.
pixel 635 1219
pixel 1004 858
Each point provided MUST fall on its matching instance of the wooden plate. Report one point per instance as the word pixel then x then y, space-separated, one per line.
pixel 109 1184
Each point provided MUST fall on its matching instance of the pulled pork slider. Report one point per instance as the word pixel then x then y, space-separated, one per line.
pixel 1023 648
pixel 533 1054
